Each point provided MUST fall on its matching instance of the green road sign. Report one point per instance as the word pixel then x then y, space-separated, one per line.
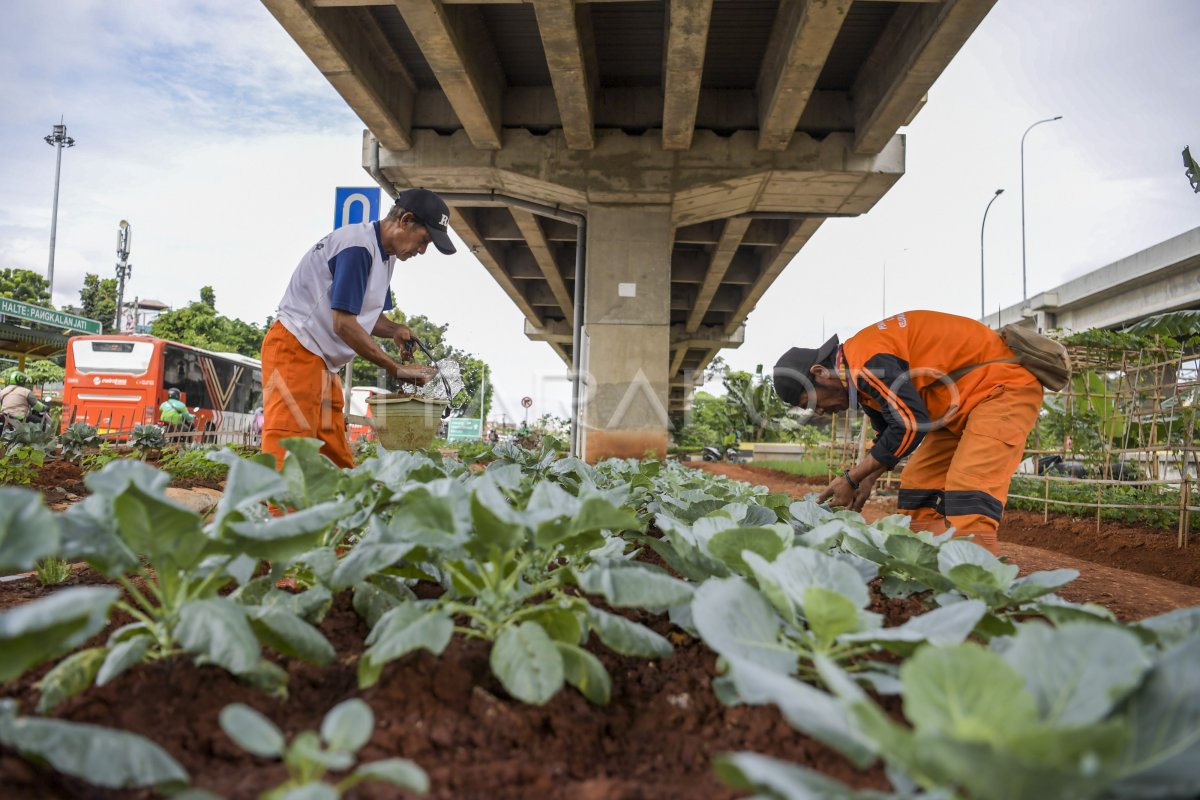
pixel 462 429
pixel 47 316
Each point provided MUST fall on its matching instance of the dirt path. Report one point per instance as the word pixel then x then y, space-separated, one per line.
pixel 1123 565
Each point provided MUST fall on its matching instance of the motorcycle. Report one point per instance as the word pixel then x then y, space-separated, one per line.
pixel 712 453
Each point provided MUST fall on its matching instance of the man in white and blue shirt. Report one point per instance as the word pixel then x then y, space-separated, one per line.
pixel 332 310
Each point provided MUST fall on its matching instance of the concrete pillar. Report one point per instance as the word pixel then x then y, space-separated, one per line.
pixel 626 331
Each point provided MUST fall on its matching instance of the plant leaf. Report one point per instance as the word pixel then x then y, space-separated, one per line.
pixel 737 622
pixel 406 628
pixel 105 757
pixel 966 693
pixel 584 671
pixel 286 633
pixel 251 730
pixel 123 655
pixel 28 531
pixel 1077 673
pixel 217 629
pixel 69 677
pixel 365 559
pixel 728 545
pixel 627 584
pixel 627 637
pixel 36 632
pixel 1161 757
pixel 348 725
pixel 396 771
pixel 528 663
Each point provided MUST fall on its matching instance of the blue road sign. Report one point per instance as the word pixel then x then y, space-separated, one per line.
pixel 355 204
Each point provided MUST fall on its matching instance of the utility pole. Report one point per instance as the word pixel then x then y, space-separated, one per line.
pixel 124 268
pixel 58 139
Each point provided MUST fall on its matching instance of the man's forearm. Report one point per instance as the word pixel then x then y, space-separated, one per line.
pixel 362 343
pixel 866 468
pixel 384 327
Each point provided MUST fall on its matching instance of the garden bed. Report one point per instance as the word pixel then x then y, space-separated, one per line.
pixel 556 673
pixel 1130 547
pixel 655 739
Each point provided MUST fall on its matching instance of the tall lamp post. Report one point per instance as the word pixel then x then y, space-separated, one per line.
pixel 58 139
pixel 982 226
pixel 1024 283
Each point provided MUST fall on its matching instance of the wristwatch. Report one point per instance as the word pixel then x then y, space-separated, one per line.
pixel 853 483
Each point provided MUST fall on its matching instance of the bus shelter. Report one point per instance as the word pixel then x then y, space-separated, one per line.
pixel 29 331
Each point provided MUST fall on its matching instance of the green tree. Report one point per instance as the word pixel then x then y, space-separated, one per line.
pixel 44 371
pixel 199 325
pixel 98 299
pixel 26 286
pixel 433 336
pixel 208 297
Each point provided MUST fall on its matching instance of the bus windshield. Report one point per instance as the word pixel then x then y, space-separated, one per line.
pixel 114 357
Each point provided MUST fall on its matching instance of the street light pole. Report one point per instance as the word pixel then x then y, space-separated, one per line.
pixel 1024 283
pixel 58 139
pixel 982 307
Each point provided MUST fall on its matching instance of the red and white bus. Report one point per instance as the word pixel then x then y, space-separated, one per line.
pixel 117 381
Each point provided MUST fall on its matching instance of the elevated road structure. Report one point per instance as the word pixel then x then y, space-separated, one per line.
pixel 1165 277
pixel 635 174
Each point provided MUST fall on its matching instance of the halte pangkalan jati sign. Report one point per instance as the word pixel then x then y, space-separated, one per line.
pixel 47 316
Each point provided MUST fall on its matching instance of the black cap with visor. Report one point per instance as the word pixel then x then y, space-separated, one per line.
pixel 793 370
pixel 431 211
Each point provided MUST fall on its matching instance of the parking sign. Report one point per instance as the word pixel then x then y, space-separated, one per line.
pixel 355 204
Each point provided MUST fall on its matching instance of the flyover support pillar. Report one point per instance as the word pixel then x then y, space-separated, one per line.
pixel 626 331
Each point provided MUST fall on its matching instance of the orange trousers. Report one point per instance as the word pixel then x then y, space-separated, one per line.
pixel 301 397
pixel 961 480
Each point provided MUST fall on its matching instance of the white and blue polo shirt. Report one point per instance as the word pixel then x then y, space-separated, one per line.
pixel 348 271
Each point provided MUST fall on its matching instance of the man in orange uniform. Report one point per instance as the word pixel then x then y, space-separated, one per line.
pixel 922 380
pixel 332 308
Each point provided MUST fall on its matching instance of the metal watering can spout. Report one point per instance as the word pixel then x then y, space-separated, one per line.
pixel 448 410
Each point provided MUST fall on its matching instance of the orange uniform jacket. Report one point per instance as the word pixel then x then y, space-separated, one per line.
pixel 899 368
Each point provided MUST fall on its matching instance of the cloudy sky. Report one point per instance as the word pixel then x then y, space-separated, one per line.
pixel 203 124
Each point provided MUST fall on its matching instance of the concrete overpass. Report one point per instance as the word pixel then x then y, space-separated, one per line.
pixel 1165 277
pixel 635 174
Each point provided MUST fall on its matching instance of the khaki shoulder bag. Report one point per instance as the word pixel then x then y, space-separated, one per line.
pixel 1045 358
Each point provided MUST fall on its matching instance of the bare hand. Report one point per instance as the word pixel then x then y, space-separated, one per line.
pixel 418 374
pixel 865 487
pixel 839 493
pixel 403 337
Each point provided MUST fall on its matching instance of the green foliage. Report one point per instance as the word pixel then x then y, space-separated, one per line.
pixel 191 462
pixel 1080 498
pixel 433 336
pixel 44 371
pixel 20 465
pixel 25 286
pixel 808 467
pixel 146 438
pixel 98 300
pixel 199 325
pixel 311 756
pixel 29 436
pixel 78 439
pixel 208 297
pixel 104 757
pixel 102 457
pixel 52 571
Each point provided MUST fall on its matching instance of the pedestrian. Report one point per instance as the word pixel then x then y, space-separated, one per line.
pixel 331 309
pixel 941 389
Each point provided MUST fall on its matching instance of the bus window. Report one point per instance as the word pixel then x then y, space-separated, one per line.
pixel 114 357
pixel 181 370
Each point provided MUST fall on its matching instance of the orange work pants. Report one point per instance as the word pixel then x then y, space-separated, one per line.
pixel 301 397
pixel 961 480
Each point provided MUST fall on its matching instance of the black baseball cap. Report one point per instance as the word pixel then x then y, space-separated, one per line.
pixel 431 211
pixel 793 375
